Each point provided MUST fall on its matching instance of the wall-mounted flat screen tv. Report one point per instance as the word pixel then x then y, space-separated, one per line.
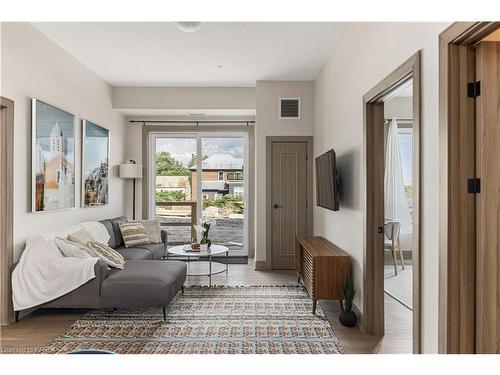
pixel 327 181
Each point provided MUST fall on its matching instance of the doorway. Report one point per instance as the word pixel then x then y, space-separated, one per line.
pixel 202 174
pixel 392 213
pixel 469 58
pixel 6 206
pixel 398 195
pixel 289 197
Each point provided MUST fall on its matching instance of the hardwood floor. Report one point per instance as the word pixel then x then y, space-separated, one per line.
pixel 40 327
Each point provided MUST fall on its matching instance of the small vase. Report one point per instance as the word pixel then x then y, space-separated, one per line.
pixel 348 318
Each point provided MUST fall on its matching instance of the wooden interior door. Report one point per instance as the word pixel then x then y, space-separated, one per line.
pixel 288 200
pixel 488 199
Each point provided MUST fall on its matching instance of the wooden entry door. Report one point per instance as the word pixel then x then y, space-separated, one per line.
pixel 488 199
pixel 289 200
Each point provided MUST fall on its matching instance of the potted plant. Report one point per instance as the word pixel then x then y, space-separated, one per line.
pixel 347 316
pixel 205 223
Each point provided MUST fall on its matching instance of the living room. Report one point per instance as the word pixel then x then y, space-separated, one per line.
pixel 230 200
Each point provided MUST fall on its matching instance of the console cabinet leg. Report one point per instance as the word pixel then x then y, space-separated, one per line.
pixel 314 306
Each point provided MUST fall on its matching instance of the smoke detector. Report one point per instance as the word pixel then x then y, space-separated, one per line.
pixel 188 27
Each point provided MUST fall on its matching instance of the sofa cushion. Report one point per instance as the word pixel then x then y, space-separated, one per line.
pixel 134 234
pixel 144 283
pixel 151 251
pixel 107 254
pixel 157 250
pixel 109 227
pixel 112 225
pixel 134 253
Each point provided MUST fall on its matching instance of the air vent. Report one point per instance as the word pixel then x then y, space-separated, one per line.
pixel 289 108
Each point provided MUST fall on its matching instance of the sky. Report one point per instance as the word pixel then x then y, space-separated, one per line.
pixel 46 118
pixel 183 148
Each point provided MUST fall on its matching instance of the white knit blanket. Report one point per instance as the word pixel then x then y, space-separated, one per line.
pixel 44 274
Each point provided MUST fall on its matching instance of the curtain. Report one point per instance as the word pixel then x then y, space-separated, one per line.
pixel 396 204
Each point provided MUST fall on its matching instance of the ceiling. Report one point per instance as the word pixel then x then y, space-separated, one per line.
pixel 219 54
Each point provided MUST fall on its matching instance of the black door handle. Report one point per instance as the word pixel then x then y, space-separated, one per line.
pixel 275 206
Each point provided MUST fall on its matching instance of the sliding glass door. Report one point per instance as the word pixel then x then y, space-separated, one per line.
pixel 200 175
pixel 172 195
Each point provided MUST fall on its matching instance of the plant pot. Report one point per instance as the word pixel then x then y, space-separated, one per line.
pixel 348 318
pixel 204 246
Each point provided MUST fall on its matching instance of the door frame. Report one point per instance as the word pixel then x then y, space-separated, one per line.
pixel 456 121
pixel 373 255
pixel 269 157
pixel 6 210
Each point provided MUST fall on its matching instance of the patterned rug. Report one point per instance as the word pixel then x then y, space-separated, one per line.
pixel 221 319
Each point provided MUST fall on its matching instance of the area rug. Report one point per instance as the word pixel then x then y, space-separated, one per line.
pixel 211 320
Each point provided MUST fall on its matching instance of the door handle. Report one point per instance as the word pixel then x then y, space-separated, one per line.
pixel 275 206
pixel 380 229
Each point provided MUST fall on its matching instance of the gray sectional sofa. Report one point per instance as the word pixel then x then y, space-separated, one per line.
pixel 145 281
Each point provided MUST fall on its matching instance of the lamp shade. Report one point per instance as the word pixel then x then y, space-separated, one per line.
pixel 130 171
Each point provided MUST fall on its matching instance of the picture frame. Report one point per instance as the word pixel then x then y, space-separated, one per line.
pixel 53 156
pixel 94 165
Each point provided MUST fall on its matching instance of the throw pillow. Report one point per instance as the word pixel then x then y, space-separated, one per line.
pixel 153 230
pixel 134 234
pixel 109 255
pixel 82 237
pixel 71 249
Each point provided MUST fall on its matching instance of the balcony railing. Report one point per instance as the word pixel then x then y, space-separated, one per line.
pixel 192 207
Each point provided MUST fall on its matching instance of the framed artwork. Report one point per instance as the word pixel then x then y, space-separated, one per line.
pixel 95 164
pixel 53 158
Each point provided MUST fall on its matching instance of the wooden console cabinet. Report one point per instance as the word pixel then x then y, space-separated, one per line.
pixel 322 266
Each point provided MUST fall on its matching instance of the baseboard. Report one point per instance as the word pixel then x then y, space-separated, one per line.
pixel 359 314
pixel 261 265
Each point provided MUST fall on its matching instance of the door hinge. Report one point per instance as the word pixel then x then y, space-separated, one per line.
pixel 474 185
pixel 474 89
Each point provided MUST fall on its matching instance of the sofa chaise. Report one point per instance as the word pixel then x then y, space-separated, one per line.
pixel 145 281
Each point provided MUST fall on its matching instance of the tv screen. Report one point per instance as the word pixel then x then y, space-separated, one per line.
pixel 326 181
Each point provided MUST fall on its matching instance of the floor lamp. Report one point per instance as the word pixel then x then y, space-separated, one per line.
pixel 131 171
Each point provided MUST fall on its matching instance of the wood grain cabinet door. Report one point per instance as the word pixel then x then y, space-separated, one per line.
pixel 488 199
pixel 288 200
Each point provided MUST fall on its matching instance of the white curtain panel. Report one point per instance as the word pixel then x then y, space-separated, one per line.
pixel 396 204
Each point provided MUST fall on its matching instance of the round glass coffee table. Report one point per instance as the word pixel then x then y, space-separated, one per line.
pixel 196 267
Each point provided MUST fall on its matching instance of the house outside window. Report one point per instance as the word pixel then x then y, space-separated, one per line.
pixel 238 191
pixel 235 176
pixel 221 176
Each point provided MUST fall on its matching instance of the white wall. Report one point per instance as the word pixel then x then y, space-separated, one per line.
pixel 267 124
pixel 35 67
pixel 184 97
pixel 364 55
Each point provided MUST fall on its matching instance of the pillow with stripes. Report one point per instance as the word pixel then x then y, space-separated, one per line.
pixel 134 234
